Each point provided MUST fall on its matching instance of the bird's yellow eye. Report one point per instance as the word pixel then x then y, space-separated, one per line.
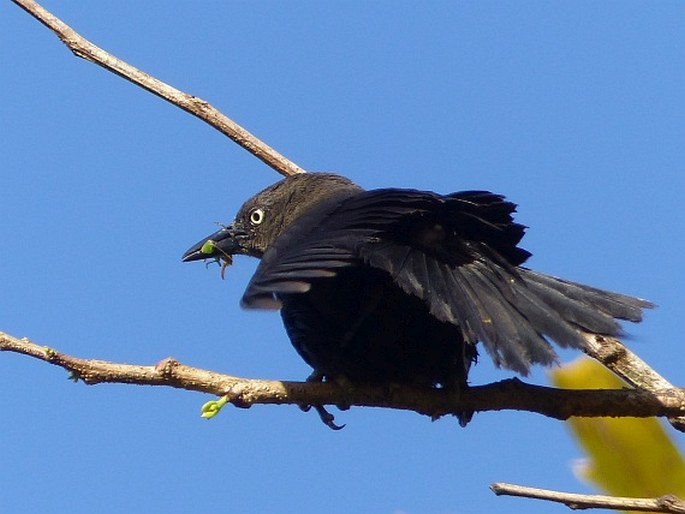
pixel 257 216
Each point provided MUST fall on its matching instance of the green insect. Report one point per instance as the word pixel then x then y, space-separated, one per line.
pixel 209 248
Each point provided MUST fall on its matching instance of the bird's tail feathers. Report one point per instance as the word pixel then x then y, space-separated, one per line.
pixel 577 302
pixel 516 316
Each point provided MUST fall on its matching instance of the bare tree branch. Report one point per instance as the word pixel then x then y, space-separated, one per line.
pixel 509 394
pixel 608 351
pixel 84 49
pixel 669 503
pixel 653 396
pixel 614 355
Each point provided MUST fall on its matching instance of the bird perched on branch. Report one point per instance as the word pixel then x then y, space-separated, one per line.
pixel 398 285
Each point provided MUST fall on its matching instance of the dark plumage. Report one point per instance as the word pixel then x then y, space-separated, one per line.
pixel 398 285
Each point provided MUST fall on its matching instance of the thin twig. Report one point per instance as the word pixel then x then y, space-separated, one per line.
pixel 84 49
pixel 669 503
pixel 509 394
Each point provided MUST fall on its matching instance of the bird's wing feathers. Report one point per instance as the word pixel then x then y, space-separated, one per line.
pixel 488 301
pixel 392 226
pixel 291 272
pixel 459 254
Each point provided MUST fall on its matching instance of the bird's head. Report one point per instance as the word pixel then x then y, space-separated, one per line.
pixel 264 217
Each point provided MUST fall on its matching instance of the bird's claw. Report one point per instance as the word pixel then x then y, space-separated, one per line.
pixel 327 418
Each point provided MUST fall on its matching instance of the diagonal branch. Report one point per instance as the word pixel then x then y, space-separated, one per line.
pixel 84 49
pixel 614 355
pixel 509 394
pixel 668 504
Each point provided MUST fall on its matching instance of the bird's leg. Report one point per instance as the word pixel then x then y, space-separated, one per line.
pixel 455 383
pixel 315 376
pixel 456 388
pixel 347 388
pixel 464 416
pixel 326 417
pixel 458 385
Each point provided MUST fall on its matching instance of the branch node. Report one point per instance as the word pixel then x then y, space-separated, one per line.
pixel 51 354
pixel 166 367
pixel 609 353
pixel 671 503
pixel 240 397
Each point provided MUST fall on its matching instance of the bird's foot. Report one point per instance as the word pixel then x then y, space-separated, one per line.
pixel 326 417
pixel 465 415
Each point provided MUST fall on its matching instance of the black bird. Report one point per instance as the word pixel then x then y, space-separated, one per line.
pixel 398 285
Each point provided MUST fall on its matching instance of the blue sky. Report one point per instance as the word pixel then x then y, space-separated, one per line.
pixel 574 110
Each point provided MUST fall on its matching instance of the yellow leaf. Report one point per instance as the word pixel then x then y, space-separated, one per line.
pixel 626 456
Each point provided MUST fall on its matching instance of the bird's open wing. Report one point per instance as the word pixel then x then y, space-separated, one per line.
pixel 459 254
pixel 387 222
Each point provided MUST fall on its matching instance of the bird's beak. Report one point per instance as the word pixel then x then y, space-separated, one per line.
pixel 222 244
